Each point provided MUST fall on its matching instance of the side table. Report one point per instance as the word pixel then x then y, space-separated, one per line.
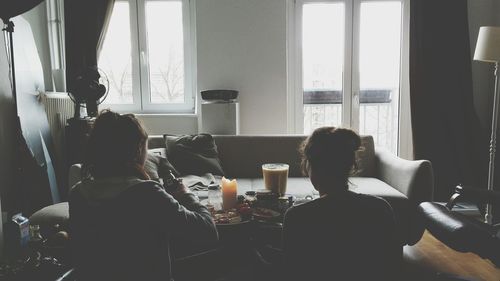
pixel 35 267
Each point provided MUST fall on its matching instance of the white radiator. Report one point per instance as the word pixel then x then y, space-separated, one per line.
pixel 59 108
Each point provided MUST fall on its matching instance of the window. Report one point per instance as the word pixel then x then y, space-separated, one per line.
pixel 147 57
pixel 55 19
pixel 346 66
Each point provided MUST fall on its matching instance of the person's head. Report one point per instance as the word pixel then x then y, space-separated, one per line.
pixel 329 157
pixel 116 147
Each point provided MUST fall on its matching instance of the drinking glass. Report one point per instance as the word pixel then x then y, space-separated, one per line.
pixel 275 177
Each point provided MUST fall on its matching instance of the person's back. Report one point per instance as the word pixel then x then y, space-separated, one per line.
pixel 122 225
pixel 341 237
pixel 125 236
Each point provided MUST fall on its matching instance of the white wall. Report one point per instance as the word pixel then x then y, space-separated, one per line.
pixel 37 18
pixel 242 46
pixel 169 124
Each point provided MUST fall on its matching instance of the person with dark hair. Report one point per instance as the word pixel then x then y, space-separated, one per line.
pixel 342 235
pixel 121 223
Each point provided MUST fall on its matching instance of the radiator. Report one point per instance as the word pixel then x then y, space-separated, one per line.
pixel 59 108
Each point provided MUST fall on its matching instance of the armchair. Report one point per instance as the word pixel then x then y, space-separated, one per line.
pixel 462 233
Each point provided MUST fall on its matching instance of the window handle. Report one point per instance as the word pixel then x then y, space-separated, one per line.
pixel 355 97
pixel 144 58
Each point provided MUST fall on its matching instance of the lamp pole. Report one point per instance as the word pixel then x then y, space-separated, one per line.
pixel 9 28
pixel 491 169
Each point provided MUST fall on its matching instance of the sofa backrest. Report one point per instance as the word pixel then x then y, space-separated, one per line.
pixel 242 156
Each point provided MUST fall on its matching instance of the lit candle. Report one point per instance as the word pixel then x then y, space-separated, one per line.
pixel 229 191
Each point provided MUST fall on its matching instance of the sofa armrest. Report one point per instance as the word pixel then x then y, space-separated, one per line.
pixel 74 175
pixel 414 178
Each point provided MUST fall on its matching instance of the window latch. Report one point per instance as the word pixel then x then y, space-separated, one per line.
pixel 144 58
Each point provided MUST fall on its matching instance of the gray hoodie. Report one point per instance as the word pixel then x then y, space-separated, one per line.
pixel 125 228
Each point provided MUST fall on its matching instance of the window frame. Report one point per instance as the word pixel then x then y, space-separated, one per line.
pixel 55 28
pixel 141 93
pixel 351 91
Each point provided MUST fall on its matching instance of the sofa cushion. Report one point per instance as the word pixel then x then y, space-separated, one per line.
pixel 403 209
pixel 51 215
pixel 243 156
pixel 301 187
pixel 193 154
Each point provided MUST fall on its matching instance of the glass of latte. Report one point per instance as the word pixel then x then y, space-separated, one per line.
pixel 275 177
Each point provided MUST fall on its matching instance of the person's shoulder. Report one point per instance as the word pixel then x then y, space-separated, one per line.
pixel 146 187
pixel 148 194
pixel 372 199
pixel 375 204
pixel 304 208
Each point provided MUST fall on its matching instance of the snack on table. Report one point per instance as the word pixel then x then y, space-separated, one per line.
pixel 226 217
pixel 265 213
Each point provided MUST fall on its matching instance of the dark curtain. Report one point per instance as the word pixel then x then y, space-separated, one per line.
pixel 446 129
pixel 86 23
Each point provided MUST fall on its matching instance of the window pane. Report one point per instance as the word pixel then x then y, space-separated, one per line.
pixel 322 63
pixel 115 58
pixel 166 51
pixel 379 64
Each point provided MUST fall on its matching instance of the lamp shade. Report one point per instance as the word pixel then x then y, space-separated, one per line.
pixel 12 8
pixel 488 44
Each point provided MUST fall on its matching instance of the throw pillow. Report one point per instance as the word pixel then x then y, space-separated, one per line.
pixel 157 166
pixel 194 154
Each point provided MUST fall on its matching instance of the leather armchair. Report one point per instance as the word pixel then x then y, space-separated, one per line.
pixel 460 232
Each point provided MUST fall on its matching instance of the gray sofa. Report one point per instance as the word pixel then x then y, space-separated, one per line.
pixel 404 184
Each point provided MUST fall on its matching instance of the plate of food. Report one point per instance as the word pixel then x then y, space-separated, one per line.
pixel 226 217
pixel 238 215
pixel 264 213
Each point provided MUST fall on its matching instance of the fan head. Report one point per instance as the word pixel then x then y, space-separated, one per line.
pixel 91 89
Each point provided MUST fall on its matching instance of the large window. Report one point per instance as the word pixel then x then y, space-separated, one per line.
pixel 346 59
pixel 146 56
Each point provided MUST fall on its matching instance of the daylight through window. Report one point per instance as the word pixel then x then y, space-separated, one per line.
pixel 147 56
pixel 349 66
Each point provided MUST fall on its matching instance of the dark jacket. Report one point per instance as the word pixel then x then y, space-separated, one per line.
pixel 346 236
pixel 123 229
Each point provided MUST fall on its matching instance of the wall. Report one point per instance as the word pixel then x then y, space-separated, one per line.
pixel 242 46
pixel 169 124
pixel 37 18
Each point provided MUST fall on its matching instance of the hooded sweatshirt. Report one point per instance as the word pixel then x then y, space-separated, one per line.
pixel 124 228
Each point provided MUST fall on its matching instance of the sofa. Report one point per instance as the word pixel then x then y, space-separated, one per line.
pixel 403 183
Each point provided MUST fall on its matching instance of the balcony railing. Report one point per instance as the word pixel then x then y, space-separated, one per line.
pixel 378 114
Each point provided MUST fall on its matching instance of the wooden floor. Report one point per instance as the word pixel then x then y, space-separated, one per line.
pixel 429 255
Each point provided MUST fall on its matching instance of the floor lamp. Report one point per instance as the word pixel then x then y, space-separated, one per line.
pixel 488 50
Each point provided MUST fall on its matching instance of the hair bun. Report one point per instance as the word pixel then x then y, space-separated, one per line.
pixel 350 137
